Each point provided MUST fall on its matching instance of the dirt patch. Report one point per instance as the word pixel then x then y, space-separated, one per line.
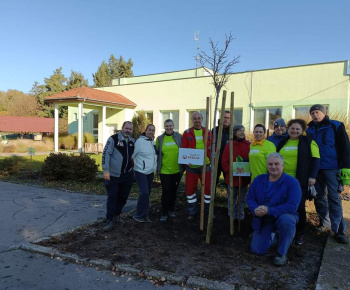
pixel 178 246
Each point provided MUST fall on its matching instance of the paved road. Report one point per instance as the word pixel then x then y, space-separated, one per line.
pixel 28 213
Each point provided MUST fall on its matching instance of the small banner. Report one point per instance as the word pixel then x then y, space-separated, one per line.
pixel 31 151
pixel 191 156
pixel 241 169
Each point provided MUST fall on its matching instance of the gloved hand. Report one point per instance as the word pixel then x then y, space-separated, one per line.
pixel 311 193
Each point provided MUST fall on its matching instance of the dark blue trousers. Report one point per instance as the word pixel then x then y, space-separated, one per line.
pixel 118 190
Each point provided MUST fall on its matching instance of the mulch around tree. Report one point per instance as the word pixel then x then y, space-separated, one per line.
pixel 178 246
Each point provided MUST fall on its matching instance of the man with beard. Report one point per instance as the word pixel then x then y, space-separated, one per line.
pixel 118 173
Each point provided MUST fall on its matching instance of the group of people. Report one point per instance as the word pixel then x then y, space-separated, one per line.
pixel 285 166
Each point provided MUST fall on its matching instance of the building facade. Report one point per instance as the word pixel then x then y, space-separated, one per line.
pixel 260 96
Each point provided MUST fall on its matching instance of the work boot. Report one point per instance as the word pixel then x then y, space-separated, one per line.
pixel 341 239
pixel 163 218
pixel 280 260
pixel 298 240
pixel 109 226
pixel 171 214
pixel 191 218
pixel 118 220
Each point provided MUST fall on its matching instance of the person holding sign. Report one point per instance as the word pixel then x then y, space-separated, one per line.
pixel 194 138
pixel 240 151
pixel 301 160
pixel 273 199
pixel 260 148
pixel 168 168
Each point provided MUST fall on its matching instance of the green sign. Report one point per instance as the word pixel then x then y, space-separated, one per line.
pixel 31 151
pixel 241 169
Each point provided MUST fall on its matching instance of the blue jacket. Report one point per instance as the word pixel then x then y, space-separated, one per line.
pixel 285 199
pixel 276 139
pixel 333 142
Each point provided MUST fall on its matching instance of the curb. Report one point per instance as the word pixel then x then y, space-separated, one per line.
pixel 191 281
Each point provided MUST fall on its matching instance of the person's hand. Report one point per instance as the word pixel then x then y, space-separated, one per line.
pixel 106 176
pixel 312 181
pixel 261 211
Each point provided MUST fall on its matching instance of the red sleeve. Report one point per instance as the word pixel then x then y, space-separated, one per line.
pixel 226 159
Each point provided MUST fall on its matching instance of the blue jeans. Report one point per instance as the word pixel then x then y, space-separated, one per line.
pixel 329 207
pixel 144 183
pixel 118 190
pixel 263 238
pixel 235 201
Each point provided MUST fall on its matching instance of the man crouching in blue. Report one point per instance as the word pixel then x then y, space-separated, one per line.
pixel 273 198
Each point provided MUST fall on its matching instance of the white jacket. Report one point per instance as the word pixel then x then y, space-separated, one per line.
pixel 144 156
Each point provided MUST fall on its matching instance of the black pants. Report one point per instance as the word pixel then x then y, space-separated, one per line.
pixel 118 190
pixel 300 228
pixel 169 184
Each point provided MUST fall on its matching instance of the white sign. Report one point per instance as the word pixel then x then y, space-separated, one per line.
pixel 191 156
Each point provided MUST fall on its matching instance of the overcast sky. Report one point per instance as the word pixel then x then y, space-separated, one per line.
pixel 38 37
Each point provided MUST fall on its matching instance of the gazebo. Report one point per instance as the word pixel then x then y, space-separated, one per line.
pixel 88 98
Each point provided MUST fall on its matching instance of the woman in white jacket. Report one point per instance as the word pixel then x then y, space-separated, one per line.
pixel 145 164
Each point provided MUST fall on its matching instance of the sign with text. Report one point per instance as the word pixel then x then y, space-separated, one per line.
pixel 241 169
pixel 31 151
pixel 191 156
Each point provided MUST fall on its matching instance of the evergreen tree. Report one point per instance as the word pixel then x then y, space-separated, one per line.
pixel 53 85
pixel 76 80
pixel 102 78
pixel 116 68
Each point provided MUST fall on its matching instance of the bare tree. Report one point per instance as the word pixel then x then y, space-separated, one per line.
pixel 218 65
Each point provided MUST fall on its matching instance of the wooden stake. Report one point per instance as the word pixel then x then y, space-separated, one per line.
pixel 204 166
pixel 239 202
pixel 232 227
pixel 213 181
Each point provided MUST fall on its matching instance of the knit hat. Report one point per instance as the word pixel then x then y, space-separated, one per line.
pixel 319 108
pixel 279 122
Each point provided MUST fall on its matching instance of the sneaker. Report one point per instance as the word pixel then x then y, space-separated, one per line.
pixel 341 239
pixel 147 219
pixel 322 229
pixel 191 218
pixel 298 240
pixel 140 220
pixel 109 226
pixel 163 218
pixel 171 214
pixel 280 260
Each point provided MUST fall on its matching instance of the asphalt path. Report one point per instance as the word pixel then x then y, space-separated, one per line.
pixel 28 213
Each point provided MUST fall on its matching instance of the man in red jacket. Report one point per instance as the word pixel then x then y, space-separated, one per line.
pixel 194 138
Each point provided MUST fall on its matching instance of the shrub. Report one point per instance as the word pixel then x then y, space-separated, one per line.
pixel 140 122
pixel 83 167
pixel 88 138
pixel 56 167
pixel 69 167
pixel 9 148
pixel 11 166
pixel 68 142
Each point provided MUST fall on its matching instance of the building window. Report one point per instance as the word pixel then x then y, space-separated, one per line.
pixel 95 124
pixel 303 112
pixel 203 112
pixel 173 115
pixel 237 116
pixel 267 116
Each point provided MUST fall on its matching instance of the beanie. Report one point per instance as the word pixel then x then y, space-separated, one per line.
pixel 237 127
pixel 279 122
pixel 319 108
